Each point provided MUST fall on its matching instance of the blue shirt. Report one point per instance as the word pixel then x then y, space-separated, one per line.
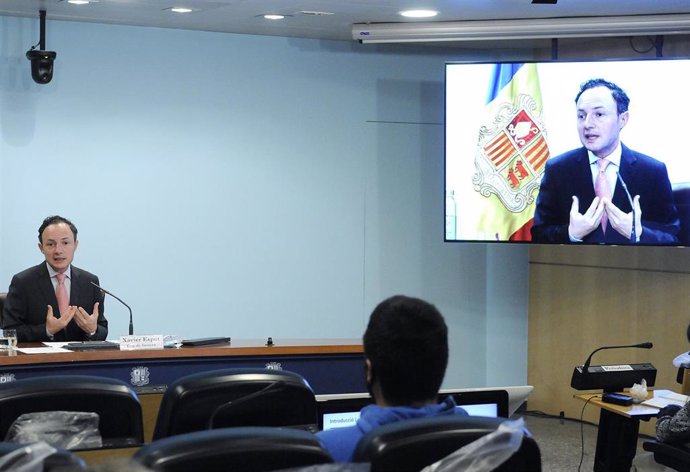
pixel 341 442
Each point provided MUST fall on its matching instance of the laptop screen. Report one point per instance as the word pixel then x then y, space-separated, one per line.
pixel 481 409
pixel 349 418
pixel 339 420
pixel 337 411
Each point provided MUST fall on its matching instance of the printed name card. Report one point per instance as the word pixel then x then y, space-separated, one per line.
pixel 131 343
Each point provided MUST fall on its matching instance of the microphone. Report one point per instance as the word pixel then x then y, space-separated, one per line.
pixel 585 367
pixel 633 235
pixel 613 378
pixel 131 326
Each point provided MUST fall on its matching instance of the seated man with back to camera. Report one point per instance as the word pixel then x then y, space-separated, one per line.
pixel 406 354
pixel 55 301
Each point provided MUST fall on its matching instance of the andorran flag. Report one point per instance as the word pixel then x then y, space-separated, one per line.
pixel 511 153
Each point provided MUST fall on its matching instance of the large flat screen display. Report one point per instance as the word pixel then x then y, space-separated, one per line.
pixel 568 152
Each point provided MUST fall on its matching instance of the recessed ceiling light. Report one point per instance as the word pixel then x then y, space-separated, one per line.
pixel 181 10
pixel 274 17
pixel 418 13
pixel 79 2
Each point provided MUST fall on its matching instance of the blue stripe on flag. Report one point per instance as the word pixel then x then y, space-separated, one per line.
pixel 502 74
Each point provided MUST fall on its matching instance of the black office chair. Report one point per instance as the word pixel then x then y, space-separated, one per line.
pixel 115 402
pixel 236 397
pixel 681 198
pixel 241 449
pixel 675 456
pixel 411 445
pixel 3 296
pixel 61 460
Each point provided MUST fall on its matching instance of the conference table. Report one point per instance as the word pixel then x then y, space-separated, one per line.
pixel 331 366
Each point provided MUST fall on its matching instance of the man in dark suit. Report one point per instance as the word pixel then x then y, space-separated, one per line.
pixel 55 301
pixel 572 181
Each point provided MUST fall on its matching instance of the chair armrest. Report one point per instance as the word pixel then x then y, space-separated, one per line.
pixel 676 456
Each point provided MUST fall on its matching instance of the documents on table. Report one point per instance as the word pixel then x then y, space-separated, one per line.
pixel 47 348
pixel 664 398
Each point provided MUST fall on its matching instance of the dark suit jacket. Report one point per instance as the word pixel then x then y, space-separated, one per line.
pixel 570 174
pixel 29 295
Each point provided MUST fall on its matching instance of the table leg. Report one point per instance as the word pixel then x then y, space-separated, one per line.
pixel 616 442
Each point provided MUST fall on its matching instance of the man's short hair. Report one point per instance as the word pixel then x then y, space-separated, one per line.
pixel 55 219
pixel 406 342
pixel 619 95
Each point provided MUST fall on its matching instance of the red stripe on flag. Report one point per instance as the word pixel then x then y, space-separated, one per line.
pixel 499 150
pixel 496 144
pixel 523 233
pixel 538 154
pixel 538 165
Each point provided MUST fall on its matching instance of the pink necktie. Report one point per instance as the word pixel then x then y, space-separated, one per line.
pixel 601 188
pixel 61 294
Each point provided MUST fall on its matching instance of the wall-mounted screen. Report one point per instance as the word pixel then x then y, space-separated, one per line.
pixel 568 152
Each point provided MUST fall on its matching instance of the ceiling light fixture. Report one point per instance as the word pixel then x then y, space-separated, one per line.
pixel 272 16
pixel 418 13
pixel 79 2
pixel 539 28
pixel 181 10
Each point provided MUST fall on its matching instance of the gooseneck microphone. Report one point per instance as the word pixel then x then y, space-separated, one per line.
pixel 613 378
pixel 585 367
pixel 131 326
pixel 633 235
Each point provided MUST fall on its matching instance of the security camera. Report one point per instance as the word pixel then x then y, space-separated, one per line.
pixel 41 65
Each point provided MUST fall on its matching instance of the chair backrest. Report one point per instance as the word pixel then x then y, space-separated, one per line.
pixel 3 296
pixel 241 449
pixel 115 402
pixel 681 198
pixel 411 445
pixel 236 397
pixel 60 461
pixel 675 456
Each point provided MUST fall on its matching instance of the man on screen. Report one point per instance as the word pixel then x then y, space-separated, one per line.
pixel 55 300
pixel 406 354
pixel 586 193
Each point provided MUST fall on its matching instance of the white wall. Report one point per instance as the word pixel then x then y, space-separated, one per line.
pixel 249 186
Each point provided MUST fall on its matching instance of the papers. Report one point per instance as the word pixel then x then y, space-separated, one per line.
pixel 52 347
pixel 42 350
pixel 54 344
pixel 664 398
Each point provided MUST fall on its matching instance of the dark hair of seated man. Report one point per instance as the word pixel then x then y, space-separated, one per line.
pixel 406 347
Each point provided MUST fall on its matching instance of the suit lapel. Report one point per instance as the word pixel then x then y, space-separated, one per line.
pixel 583 177
pixel 46 285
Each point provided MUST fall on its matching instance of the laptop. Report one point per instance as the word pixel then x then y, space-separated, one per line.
pixel 341 410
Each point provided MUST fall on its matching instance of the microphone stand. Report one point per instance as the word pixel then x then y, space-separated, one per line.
pixel 633 233
pixel 131 325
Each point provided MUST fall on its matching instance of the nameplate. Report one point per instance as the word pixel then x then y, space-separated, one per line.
pixel 616 368
pixel 131 343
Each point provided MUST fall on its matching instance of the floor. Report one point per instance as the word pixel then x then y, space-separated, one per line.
pixel 564 443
